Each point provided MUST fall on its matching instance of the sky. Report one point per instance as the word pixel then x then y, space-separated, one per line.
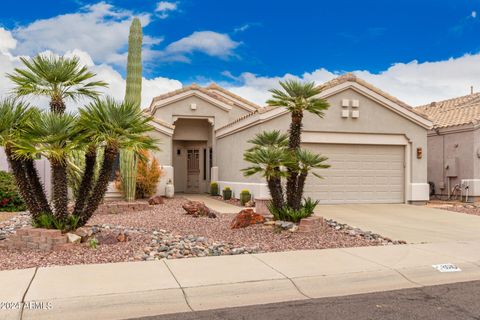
pixel 419 51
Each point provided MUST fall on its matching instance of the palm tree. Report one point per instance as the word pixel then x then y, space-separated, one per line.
pixel 53 135
pixel 306 162
pixel 269 157
pixel 15 116
pixel 58 78
pixel 113 126
pixel 297 97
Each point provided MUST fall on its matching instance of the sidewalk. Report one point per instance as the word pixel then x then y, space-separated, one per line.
pixel 127 290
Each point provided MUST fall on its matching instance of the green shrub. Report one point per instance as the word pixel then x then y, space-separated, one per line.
pixel 49 221
pixel 227 193
pixel 214 189
pixel 245 196
pixel 10 200
pixel 289 214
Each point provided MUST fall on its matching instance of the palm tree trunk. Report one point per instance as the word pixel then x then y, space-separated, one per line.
pixel 275 188
pixel 36 186
pixel 57 106
pixel 302 177
pixel 60 189
pixel 101 186
pixel 21 180
pixel 294 143
pixel 87 181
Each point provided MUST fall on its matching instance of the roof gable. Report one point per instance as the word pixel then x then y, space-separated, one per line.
pixel 344 82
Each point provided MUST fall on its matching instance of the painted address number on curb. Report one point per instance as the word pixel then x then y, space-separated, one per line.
pixel 446 267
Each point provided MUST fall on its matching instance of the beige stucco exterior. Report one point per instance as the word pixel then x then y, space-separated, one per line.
pixel 455 160
pixel 376 124
pixel 225 125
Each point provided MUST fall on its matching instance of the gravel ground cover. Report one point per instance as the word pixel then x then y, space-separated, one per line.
pixel 460 207
pixel 7 215
pixel 167 232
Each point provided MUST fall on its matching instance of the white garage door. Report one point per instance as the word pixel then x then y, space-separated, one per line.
pixel 358 174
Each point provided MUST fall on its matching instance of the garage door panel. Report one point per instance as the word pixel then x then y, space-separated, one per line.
pixel 358 174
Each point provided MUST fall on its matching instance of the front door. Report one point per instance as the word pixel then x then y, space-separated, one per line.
pixel 193 170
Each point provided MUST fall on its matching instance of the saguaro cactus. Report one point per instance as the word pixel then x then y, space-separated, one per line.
pixel 133 94
pixel 128 172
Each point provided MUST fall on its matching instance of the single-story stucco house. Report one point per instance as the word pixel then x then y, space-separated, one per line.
pixel 376 144
pixel 454 146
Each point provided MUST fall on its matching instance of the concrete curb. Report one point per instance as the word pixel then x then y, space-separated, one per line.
pixel 127 290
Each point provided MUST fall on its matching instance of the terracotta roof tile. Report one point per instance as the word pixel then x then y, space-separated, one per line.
pixel 214 86
pixel 453 112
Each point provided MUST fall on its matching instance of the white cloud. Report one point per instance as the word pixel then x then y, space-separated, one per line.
pixel 164 8
pixel 212 43
pixel 105 72
pixel 414 82
pixel 474 14
pixel 99 29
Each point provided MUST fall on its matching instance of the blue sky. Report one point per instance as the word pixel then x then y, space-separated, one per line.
pixel 418 50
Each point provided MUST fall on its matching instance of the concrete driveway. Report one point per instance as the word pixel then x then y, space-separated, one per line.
pixel 414 224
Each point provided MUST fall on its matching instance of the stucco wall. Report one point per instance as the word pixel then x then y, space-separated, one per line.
pixel 164 155
pixel 204 109
pixel 443 148
pixel 374 118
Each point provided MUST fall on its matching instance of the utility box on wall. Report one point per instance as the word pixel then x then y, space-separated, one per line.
pixel 451 167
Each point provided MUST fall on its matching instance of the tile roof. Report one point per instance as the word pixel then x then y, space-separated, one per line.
pixel 210 91
pixel 453 112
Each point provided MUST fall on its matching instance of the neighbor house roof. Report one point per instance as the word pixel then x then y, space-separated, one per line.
pixel 348 77
pixel 453 112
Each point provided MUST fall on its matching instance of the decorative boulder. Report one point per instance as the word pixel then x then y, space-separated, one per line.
pixel 73 238
pixel 250 204
pixel 123 236
pixel 245 218
pixel 156 200
pixel 197 208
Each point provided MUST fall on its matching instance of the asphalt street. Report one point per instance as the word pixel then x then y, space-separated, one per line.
pixel 453 301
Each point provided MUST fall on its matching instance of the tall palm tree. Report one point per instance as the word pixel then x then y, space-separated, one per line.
pixel 297 97
pixel 58 78
pixel 268 157
pixel 114 126
pixel 15 115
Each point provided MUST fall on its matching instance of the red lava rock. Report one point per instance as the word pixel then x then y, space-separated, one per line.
pixel 245 218
pixel 122 237
pixel 155 200
pixel 197 208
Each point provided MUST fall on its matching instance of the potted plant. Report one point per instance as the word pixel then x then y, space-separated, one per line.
pixel 227 193
pixel 245 196
pixel 214 189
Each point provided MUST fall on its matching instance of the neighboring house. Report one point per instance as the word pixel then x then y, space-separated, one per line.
pixel 454 145
pixel 375 143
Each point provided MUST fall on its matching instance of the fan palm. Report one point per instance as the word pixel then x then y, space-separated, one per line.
pixel 297 97
pixel 114 126
pixel 53 136
pixel 58 78
pixel 15 115
pixel 268 156
pixel 306 162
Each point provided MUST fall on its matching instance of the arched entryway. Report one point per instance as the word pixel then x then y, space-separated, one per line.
pixel 192 154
